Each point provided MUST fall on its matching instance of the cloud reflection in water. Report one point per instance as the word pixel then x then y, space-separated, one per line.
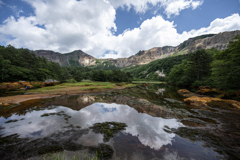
pixel 148 129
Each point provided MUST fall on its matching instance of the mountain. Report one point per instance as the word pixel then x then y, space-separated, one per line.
pixel 75 57
pixel 218 41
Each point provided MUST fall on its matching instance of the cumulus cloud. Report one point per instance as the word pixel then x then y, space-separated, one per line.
pixel 157 32
pixel 89 25
pixel 175 6
pixel 172 7
pixel 67 25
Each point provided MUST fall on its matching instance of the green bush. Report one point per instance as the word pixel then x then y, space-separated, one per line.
pixel 71 81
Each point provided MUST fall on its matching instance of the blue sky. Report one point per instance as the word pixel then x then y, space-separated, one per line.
pixel 112 28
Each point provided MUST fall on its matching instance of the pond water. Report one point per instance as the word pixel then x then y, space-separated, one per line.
pixel 155 125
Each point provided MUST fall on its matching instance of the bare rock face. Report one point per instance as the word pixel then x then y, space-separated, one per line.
pixel 64 59
pixel 219 41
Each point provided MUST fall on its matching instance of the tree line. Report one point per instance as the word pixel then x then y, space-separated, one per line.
pixel 212 67
pixel 22 64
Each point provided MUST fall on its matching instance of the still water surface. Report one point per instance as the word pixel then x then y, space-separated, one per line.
pixel 67 120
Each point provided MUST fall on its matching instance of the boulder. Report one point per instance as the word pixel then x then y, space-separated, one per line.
pixel 212 102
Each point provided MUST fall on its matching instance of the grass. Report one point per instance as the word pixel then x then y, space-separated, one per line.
pixel 81 86
pixel 147 82
pixel 62 156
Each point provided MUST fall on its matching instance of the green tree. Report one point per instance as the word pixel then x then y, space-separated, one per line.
pixel 78 76
pixel 226 66
pixel 192 71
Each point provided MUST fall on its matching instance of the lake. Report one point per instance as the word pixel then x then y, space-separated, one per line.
pixel 133 123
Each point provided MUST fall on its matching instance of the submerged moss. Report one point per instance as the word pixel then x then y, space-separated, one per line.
pixel 108 129
pixel 49 149
pixel 102 151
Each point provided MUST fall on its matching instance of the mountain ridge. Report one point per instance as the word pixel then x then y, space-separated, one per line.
pixel 218 41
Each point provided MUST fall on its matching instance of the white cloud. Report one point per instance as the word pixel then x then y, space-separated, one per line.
pixel 171 7
pixel 157 32
pixel 87 25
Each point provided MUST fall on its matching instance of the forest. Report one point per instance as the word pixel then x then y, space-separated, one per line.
pixel 23 65
pixel 212 67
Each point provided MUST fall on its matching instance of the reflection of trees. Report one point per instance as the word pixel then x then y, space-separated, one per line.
pixel 143 100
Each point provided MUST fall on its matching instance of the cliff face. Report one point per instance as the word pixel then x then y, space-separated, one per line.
pixel 219 41
pixel 143 57
pixel 65 59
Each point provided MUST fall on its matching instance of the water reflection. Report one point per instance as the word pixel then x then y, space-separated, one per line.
pixel 148 129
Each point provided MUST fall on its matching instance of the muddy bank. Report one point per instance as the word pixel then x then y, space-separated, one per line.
pixel 66 91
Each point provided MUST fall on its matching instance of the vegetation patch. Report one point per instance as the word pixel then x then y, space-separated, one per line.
pixel 108 129
pixel 103 151
pixel 50 149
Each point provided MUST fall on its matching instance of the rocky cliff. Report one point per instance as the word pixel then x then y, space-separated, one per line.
pixel 68 58
pixel 218 41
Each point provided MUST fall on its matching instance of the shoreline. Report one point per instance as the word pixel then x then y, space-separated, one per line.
pixel 17 99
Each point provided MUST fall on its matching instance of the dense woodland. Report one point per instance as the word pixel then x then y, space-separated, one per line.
pixel 214 68
pixel 23 65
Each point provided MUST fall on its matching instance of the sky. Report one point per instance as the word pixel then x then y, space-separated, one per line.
pixel 112 28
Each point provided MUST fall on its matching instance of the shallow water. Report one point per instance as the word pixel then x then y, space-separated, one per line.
pixel 159 126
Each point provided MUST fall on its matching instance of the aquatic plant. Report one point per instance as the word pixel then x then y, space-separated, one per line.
pixel 108 129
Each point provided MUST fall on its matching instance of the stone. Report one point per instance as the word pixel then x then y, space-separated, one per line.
pixel 208 101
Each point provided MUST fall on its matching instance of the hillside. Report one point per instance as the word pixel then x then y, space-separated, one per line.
pixel 218 41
